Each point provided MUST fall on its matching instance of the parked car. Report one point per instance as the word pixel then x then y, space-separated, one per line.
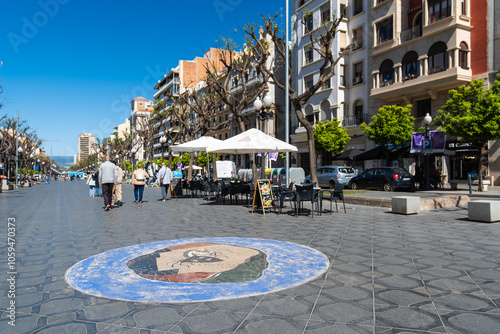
pixel 328 176
pixel 387 178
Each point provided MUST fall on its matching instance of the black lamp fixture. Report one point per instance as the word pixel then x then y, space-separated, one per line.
pixel 163 140
pixel 267 101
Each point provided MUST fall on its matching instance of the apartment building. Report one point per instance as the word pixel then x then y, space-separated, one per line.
pixel 141 110
pixel 419 50
pixel 188 74
pixel 403 52
pixel 345 97
pixel 85 141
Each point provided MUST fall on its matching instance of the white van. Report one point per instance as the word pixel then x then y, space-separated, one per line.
pixel 225 169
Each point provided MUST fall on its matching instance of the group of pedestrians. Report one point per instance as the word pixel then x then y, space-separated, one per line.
pixel 109 180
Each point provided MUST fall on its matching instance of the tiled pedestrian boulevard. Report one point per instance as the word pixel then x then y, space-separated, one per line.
pixel 434 272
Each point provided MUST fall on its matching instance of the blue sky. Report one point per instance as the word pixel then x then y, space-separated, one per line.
pixel 72 66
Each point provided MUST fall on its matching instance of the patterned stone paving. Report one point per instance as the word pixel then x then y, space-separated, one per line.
pixel 201 269
pixel 434 272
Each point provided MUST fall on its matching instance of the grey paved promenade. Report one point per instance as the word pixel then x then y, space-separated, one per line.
pixel 434 272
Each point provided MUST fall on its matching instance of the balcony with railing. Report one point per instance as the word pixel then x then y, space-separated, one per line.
pixel 166 85
pixel 409 34
pixel 351 121
pixel 252 80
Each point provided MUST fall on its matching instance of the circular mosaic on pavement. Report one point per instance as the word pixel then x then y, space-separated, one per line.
pixel 201 269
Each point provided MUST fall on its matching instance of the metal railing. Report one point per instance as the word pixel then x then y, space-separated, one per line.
pixel 409 34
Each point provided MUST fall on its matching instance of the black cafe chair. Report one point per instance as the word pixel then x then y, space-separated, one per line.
pixel 306 193
pixel 334 195
pixel 223 190
pixel 286 195
pixel 211 190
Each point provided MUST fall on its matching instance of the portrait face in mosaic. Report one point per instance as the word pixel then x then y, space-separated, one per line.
pixel 202 263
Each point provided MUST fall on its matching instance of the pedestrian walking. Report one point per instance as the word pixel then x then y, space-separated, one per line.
pixel 139 180
pixel 117 188
pixel 98 191
pixel 166 176
pixel 107 178
pixel 91 184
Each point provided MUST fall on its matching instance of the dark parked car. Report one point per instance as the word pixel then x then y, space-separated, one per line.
pixel 387 178
pixel 328 176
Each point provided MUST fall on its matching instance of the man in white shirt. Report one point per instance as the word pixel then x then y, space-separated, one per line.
pixel 166 176
pixel 117 188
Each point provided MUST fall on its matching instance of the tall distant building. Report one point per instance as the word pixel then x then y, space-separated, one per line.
pixel 85 141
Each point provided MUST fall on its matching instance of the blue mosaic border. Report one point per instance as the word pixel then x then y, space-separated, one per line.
pixel 107 275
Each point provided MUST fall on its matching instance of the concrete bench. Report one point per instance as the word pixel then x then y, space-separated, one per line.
pixel 405 205
pixel 453 184
pixel 484 211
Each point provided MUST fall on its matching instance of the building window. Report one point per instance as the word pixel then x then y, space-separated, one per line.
pixel 380 1
pixel 308 83
pixel 463 6
pixel 438 10
pixel 358 112
pixel 308 55
pixel 358 7
pixel 325 14
pixel 326 84
pixel 310 114
pixel 357 38
pixel 358 73
pixel 386 73
pixel 384 31
pixel 308 24
pixel 423 107
pixel 462 56
pixel 437 58
pixel 342 75
pixel 410 66
pixel 326 113
pixel 342 40
pixel 343 10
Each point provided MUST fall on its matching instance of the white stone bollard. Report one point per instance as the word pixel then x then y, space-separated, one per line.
pixel 406 205
pixel 484 211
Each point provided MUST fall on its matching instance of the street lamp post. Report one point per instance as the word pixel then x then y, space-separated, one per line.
pixel 18 151
pixel 163 140
pixel 32 164
pixel 133 151
pixel 427 122
pixel 263 115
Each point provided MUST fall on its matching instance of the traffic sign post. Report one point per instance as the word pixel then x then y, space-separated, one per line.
pixel 426 145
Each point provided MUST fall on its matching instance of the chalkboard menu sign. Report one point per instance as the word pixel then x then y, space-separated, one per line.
pixel 263 195
pixel 176 187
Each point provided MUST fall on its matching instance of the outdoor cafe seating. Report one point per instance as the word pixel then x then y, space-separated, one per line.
pixel 306 193
pixel 211 190
pixel 333 195
pixel 285 195
pixel 238 189
pixel 223 190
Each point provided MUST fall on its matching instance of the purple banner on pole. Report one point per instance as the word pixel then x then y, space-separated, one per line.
pixel 416 142
pixel 273 156
pixel 438 140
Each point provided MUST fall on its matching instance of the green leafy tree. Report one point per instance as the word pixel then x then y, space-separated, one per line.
pixel 202 159
pixel 472 114
pixel 393 125
pixel 330 136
